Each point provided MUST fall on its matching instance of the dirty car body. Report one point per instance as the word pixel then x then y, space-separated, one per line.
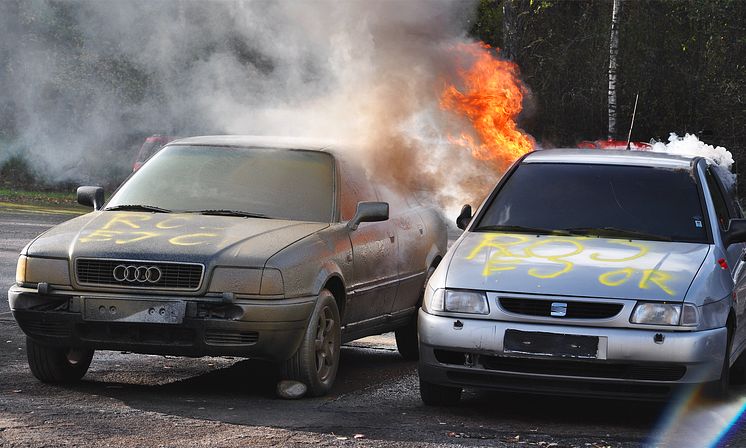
pixel 242 246
pixel 614 273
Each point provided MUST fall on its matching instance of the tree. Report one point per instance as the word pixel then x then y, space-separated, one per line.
pixel 613 52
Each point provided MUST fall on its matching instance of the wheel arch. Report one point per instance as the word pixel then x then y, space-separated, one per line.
pixel 336 286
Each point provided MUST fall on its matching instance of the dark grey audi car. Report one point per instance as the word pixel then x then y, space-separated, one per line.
pixel 226 245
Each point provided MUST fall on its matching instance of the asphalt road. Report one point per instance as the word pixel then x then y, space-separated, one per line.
pixel 139 400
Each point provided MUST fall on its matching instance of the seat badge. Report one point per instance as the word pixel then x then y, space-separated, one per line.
pixel 559 309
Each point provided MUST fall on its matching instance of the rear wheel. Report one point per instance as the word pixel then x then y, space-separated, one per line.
pixel 317 359
pixel 407 341
pixel 57 364
pixel 437 395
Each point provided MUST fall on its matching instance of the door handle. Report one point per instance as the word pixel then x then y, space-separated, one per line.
pixel 391 236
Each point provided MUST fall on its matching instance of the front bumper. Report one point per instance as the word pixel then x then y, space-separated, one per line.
pixel 269 329
pixel 629 363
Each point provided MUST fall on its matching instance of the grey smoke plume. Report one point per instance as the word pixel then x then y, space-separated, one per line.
pixel 82 80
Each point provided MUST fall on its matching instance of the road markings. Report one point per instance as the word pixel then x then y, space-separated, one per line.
pixel 26 224
pixel 9 207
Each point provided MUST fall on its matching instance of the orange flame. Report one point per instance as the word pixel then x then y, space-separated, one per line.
pixel 491 99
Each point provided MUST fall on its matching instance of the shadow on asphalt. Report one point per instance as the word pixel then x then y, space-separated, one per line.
pixel 376 393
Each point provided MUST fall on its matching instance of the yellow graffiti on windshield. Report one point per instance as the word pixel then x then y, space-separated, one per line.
pixel 552 256
pixel 127 228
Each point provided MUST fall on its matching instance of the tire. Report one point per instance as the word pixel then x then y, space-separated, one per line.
pixel 437 395
pixel 718 389
pixel 57 365
pixel 407 341
pixel 317 359
pixel 738 371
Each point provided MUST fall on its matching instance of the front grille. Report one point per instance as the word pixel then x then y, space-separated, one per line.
pixel 586 387
pixel 55 329
pixel 220 337
pixel 130 333
pixel 625 371
pixel 575 310
pixel 183 276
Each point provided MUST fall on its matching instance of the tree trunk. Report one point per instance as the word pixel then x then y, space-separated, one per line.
pixel 613 51
pixel 510 30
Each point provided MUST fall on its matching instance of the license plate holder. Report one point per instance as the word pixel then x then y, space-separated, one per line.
pixel 142 311
pixel 552 345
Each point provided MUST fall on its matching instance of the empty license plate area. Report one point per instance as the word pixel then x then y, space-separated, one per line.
pixel 550 344
pixel 145 311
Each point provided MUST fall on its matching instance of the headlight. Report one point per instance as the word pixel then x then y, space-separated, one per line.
pixel 247 281
pixel 21 270
pixel 460 301
pixel 652 313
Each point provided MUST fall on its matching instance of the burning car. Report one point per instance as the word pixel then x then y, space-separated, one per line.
pixel 614 273
pixel 227 245
pixel 150 146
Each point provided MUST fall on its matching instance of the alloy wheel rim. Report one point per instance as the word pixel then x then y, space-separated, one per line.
pixel 324 344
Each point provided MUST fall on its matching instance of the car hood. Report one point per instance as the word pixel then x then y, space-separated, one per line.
pixel 575 266
pixel 171 237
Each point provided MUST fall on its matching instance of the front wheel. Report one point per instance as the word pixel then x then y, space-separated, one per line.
pixel 57 364
pixel 718 389
pixel 437 395
pixel 317 359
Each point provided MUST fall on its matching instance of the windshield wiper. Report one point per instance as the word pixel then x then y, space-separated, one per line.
pixel 614 231
pixel 138 207
pixel 524 229
pixel 222 212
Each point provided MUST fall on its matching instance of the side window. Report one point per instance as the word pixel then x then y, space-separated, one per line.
pixel 721 206
pixel 727 182
pixel 355 188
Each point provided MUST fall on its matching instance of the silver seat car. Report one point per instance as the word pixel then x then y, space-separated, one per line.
pixel 609 273
pixel 243 246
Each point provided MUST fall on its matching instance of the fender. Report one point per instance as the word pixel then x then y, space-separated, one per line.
pixel 329 269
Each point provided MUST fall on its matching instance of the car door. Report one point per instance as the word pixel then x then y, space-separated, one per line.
pixel 410 236
pixel 727 208
pixel 372 290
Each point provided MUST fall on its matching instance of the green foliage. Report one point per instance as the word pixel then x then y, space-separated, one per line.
pixel 684 57
pixel 15 172
pixel 487 26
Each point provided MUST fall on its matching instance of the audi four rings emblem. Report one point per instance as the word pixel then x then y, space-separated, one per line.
pixel 140 274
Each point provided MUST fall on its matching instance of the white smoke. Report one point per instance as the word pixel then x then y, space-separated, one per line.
pixel 84 78
pixel 691 146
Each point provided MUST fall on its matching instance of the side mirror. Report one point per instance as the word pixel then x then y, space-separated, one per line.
pixel 736 232
pixel 91 196
pixel 369 212
pixel 464 218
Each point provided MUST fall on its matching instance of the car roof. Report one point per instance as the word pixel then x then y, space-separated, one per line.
pixel 609 157
pixel 258 141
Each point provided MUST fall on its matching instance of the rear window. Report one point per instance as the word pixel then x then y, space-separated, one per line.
pixel 633 202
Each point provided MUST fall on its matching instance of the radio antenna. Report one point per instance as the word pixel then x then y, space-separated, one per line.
pixel 632 124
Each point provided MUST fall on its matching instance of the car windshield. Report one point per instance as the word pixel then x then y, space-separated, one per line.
pixel 634 202
pixel 272 183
